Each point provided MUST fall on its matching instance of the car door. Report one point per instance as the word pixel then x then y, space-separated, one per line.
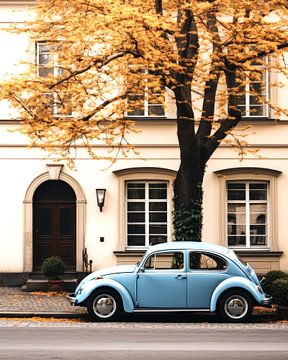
pixel 162 281
pixel 205 272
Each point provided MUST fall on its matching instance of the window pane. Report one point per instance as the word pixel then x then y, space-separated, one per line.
pixel 153 239
pixel 156 110
pixel 237 229
pixel 236 191
pixel 256 218
pixel 158 206
pixel 236 218
pixel 136 229
pixel 257 110
pixel 44 59
pixel 157 229
pixel 136 191
pixel 136 217
pixel 158 191
pixel 258 208
pixel 136 240
pixel 236 240
pixel 258 240
pixel 236 208
pixel 258 191
pixel 158 217
pixel 258 229
pixel 136 104
pixel 136 206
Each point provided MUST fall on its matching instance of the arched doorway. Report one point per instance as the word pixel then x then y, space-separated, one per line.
pixel 54 223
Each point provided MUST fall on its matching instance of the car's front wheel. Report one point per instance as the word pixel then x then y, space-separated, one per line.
pixel 235 306
pixel 104 305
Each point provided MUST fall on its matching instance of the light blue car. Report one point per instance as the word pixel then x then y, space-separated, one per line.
pixel 174 276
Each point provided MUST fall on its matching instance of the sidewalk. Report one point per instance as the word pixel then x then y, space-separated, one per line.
pixel 15 302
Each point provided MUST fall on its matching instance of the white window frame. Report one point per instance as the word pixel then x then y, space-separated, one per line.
pixel 56 109
pixel 147 212
pixel 247 106
pixel 142 174
pixel 54 63
pixel 146 104
pixel 249 174
pixel 247 204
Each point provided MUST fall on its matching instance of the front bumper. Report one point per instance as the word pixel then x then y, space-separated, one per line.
pixel 267 301
pixel 71 298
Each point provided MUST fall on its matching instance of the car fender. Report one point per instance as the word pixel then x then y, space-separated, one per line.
pixel 90 286
pixel 235 282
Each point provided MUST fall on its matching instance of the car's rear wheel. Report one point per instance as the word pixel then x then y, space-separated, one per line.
pixel 235 306
pixel 104 305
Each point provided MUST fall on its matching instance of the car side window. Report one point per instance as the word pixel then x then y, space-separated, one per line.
pixel 202 261
pixel 165 261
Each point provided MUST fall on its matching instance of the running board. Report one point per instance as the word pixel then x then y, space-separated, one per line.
pixel 147 310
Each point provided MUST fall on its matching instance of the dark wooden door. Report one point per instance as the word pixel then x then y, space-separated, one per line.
pixel 54 224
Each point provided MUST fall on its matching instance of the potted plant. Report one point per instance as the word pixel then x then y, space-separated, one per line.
pixel 53 268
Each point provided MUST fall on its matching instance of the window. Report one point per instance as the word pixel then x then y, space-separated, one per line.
pixel 146 213
pixel 200 261
pixel 47 64
pixel 254 92
pixel 58 103
pixel 143 100
pixel 165 261
pixel 247 214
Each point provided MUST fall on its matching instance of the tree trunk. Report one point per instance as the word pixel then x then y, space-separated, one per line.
pixel 188 203
pixel 187 217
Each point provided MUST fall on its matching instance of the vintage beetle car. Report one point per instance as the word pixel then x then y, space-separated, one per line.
pixel 174 276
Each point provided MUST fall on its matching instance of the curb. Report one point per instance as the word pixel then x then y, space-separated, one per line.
pixel 41 314
pixel 257 318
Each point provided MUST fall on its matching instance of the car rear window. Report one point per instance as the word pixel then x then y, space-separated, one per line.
pixel 204 261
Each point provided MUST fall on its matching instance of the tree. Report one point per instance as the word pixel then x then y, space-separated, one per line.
pixel 99 54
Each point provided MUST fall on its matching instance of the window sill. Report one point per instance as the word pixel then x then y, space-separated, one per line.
pixel 149 118
pixel 129 252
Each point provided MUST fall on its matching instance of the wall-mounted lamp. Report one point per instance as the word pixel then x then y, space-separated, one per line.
pixel 100 195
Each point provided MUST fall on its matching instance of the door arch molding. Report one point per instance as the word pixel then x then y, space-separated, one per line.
pixel 28 218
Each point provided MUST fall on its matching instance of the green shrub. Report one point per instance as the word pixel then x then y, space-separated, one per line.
pixel 279 291
pixel 53 267
pixel 270 277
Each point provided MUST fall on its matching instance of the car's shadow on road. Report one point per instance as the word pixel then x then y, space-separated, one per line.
pixel 186 318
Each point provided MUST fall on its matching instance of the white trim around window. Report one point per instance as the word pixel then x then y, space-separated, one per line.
pixel 250 103
pixel 144 177
pixel 248 179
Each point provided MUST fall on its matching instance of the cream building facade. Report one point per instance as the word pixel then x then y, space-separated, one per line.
pixel 48 209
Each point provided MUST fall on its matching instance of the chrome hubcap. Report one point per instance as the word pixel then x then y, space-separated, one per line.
pixel 104 306
pixel 236 307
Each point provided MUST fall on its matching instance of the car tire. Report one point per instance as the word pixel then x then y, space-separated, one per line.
pixel 104 305
pixel 235 306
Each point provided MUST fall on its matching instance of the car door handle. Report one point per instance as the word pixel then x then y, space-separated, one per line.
pixel 180 277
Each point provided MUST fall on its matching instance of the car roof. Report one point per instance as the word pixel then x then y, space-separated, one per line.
pixel 188 245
